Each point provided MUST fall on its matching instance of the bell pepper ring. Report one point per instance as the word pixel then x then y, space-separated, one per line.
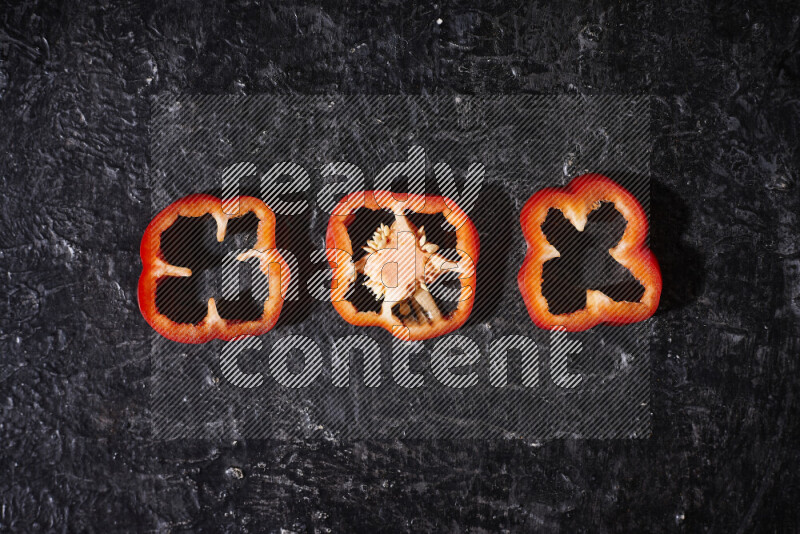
pixel 583 195
pixel 155 267
pixel 399 264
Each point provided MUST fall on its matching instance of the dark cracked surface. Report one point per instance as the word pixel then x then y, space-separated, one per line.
pixel 75 447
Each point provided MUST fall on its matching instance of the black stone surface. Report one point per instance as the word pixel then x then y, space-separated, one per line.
pixel 75 447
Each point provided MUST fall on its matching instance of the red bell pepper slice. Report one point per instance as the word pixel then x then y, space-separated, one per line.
pixel 408 310
pixel 155 267
pixel 583 195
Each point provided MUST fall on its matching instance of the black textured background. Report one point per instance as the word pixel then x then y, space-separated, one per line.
pixel 76 79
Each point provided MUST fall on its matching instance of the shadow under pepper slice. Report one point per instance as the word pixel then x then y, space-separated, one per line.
pixel 155 267
pixel 583 195
pixel 399 264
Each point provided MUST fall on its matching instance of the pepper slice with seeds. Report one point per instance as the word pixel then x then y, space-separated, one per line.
pixel 399 263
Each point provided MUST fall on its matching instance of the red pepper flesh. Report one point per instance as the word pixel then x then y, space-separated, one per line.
pixel 155 267
pixel 583 195
pixel 428 322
